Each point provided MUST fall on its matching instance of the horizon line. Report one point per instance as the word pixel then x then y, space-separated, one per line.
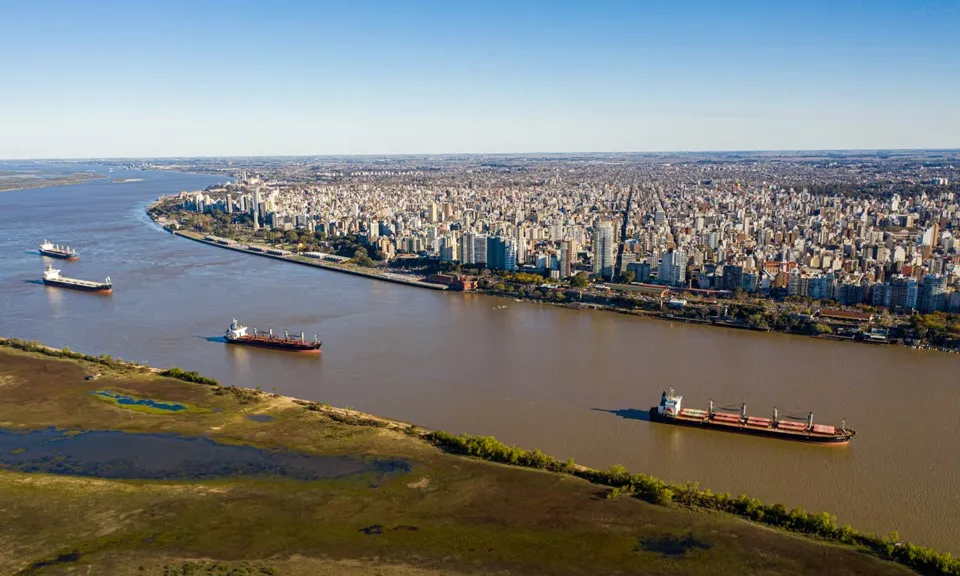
pixel 439 154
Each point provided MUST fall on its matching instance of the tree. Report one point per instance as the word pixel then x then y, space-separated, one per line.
pixel 821 328
pixel 885 320
pixel 757 321
pixel 628 277
pixel 361 258
pixel 580 280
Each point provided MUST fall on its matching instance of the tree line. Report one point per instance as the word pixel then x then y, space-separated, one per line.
pixel 656 491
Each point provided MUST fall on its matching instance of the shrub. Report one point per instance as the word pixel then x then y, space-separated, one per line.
pixel 356 420
pixel 188 376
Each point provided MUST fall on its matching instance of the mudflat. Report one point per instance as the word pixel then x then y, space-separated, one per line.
pixel 378 498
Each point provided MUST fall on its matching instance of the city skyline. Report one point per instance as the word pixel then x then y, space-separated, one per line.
pixel 251 79
pixel 819 228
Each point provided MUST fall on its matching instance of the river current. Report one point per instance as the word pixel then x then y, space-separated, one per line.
pixel 572 383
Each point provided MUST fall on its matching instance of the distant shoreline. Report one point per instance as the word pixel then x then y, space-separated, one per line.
pixel 31 184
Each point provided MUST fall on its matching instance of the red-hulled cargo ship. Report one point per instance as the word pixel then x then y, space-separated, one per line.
pixel 57 251
pixel 670 412
pixel 237 334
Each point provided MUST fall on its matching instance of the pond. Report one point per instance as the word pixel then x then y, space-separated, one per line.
pixel 121 455
pixel 132 402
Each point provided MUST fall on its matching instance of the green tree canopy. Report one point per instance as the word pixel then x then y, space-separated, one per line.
pixel 580 280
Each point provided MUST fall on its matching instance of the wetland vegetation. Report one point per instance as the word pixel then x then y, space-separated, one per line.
pixel 395 499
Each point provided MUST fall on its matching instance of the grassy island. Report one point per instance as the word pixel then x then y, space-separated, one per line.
pixel 13 181
pixel 273 485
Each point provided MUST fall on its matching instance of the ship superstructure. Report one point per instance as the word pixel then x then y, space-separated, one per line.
pixel 237 334
pixel 52 277
pixel 670 411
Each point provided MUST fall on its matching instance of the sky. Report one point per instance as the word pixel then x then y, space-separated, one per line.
pixel 236 77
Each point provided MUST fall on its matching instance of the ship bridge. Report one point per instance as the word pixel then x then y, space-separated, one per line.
pixel 670 403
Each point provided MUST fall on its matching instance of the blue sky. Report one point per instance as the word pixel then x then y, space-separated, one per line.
pixel 177 78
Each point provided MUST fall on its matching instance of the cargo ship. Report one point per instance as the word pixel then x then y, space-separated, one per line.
pixel 237 334
pixel 52 277
pixel 786 428
pixel 57 251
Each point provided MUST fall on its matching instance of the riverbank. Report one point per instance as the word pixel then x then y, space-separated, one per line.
pixel 567 297
pixel 302 260
pixel 461 513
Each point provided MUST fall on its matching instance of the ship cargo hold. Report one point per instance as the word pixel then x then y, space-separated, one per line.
pixel 56 251
pixel 237 334
pixel 52 277
pixel 669 411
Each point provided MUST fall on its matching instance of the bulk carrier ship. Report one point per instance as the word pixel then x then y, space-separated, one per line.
pixel 237 334
pixel 52 277
pixel 57 251
pixel 670 412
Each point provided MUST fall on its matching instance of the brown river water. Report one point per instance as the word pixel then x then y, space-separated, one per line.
pixel 572 383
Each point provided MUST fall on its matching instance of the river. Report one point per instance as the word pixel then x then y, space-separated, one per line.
pixel 572 383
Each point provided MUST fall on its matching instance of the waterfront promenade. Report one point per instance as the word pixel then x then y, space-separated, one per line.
pixel 316 263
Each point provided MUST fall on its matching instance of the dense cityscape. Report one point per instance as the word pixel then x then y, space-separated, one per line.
pixel 873 234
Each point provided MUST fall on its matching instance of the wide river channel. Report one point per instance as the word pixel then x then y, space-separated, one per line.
pixel 572 383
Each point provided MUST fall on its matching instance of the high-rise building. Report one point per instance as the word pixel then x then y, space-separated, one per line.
pixel 255 209
pixel 448 248
pixel 953 302
pixel 931 295
pixel 479 248
pixel 566 258
pixel 673 268
pixel 931 236
pixel 641 271
pixel 902 293
pixel 604 250
pixel 496 253
pixel 878 294
pixel 520 243
pixel 501 254
pixel 467 255
pixel 732 277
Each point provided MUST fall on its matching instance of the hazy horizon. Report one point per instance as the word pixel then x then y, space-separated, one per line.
pixel 845 151
pixel 297 78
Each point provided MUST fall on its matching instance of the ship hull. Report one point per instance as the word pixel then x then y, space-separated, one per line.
pixel 288 346
pixel 101 288
pixel 752 430
pixel 60 255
